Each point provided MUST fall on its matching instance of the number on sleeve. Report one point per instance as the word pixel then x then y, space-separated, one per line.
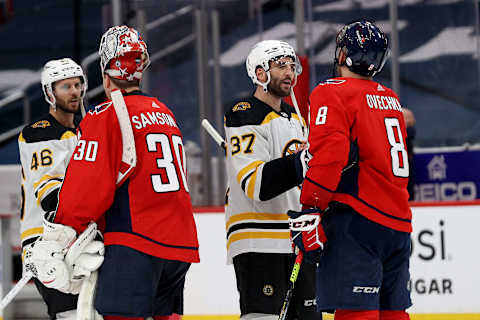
pixel 167 162
pixel 321 115
pixel 91 150
pixel 397 151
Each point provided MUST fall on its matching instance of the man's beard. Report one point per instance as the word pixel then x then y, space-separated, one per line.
pixel 276 90
pixel 63 106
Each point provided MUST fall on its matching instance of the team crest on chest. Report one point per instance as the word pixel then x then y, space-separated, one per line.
pixel 291 147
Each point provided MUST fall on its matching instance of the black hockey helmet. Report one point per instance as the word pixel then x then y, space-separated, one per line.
pixel 365 47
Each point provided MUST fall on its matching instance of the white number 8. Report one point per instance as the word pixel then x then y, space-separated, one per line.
pixel 396 148
pixel 321 115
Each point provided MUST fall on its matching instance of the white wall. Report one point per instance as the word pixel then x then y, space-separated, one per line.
pixel 445 263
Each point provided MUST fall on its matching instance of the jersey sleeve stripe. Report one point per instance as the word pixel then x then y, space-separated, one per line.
pixel 241 217
pixel 49 187
pixel 47 177
pixel 251 185
pixel 257 235
pixel 319 185
pixel 30 232
pixel 246 169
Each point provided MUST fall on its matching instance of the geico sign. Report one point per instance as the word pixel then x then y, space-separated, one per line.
pixel 429 243
pixel 449 191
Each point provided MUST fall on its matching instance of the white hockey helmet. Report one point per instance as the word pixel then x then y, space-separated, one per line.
pixel 123 53
pixel 56 70
pixel 264 52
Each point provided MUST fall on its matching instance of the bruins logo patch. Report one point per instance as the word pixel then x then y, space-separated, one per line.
pixel 267 290
pixel 241 106
pixel 291 147
pixel 41 124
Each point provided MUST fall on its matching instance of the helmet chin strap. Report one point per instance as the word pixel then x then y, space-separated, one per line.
pixel 264 84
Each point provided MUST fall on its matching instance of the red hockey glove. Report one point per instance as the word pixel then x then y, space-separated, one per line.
pixel 307 233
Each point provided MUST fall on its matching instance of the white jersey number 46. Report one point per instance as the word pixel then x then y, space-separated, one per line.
pixel 397 150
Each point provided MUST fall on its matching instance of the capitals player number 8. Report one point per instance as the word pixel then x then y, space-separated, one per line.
pixel 397 150
pixel 167 162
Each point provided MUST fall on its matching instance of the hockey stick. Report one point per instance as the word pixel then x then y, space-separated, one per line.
pixel 214 134
pixel 86 297
pixel 70 257
pixel 297 110
pixel 293 279
pixel 15 290
pixel 129 155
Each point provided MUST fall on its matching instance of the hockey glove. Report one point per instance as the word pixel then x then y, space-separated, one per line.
pixel 307 233
pixel 45 258
pixel 301 163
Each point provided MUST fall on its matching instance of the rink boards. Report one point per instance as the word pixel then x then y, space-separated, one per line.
pixel 444 269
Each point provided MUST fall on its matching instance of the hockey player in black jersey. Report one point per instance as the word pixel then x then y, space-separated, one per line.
pixel 264 136
pixel 46 146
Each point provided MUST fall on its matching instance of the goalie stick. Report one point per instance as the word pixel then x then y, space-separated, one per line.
pixel 214 134
pixel 70 257
pixel 85 308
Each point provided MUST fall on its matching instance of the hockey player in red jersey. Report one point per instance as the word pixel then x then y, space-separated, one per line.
pixel 356 181
pixel 150 235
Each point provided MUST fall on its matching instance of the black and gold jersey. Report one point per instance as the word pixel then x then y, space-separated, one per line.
pixel 262 181
pixel 45 150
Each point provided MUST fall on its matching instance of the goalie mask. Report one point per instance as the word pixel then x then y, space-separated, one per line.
pixel 365 48
pixel 266 51
pixel 56 70
pixel 123 53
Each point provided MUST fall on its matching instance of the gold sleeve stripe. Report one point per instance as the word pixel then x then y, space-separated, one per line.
pixel 251 185
pixel 46 177
pixel 257 235
pixel 272 115
pixel 48 187
pixel 247 169
pixel 256 216
pixel 67 135
pixel 21 138
pixel 30 232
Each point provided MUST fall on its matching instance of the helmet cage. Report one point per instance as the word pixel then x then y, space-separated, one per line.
pixel 61 69
pixel 365 47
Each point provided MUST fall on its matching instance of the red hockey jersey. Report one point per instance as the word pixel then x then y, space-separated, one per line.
pixel 149 209
pixel 357 139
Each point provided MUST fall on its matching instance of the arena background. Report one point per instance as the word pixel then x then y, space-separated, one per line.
pixel 198 50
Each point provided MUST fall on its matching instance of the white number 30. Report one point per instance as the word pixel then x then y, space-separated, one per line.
pixel 167 162
pixel 400 169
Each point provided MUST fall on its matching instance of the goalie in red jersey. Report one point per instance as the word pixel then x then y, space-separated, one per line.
pixel 127 174
pixel 357 180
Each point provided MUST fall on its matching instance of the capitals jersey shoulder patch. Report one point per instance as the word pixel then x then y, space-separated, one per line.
pixel 100 108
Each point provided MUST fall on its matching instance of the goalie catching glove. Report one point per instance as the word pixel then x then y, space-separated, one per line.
pixel 60 260
pixel 307 233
